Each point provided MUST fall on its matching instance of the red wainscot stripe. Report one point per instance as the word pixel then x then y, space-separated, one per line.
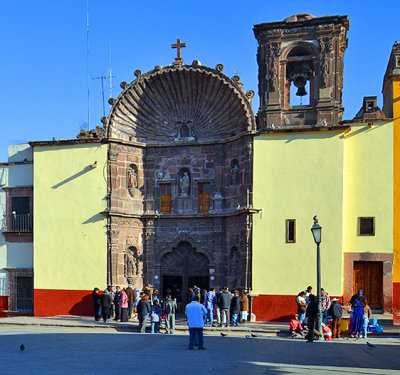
pixel 396 303
pixel 276 307
pixel 51 302
pixel 3 306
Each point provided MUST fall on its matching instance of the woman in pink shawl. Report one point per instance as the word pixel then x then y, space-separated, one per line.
pixel 124 306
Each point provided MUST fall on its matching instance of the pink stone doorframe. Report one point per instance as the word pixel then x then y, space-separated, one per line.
pixel 387 268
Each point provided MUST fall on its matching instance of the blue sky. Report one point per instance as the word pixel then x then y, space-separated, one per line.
pixel 43 52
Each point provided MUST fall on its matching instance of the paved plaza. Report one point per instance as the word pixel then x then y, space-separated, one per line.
pixel 63 350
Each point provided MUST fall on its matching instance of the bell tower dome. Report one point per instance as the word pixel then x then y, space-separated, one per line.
pixel 300 62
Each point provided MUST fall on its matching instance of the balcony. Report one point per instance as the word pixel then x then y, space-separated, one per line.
pixel 19 223
pixel 18 228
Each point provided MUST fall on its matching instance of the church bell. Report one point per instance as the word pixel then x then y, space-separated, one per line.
pixel 300 76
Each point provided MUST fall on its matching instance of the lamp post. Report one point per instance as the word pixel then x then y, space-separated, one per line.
pixel 316 231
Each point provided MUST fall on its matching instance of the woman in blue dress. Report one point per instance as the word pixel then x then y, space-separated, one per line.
pixel 358 313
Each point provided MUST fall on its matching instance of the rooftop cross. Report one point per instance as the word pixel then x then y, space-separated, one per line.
pixel 178 46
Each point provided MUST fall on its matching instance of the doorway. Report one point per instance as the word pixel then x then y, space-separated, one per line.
pixel 182 268
pixel 368 276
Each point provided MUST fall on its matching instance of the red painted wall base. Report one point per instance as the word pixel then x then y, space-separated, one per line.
pixel 396 303
pixel 276 307
pixel 51 302
pixel 3 306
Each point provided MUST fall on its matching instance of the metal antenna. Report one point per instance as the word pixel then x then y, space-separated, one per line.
pixel 110 73
pixel 87 62
pixel 102 91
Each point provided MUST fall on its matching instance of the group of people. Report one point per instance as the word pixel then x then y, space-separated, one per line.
pixel 307 308
pixel 123 304
pixel 227 308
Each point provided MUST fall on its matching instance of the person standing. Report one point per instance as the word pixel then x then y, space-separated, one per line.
pixel 169 308
pixel 336 311
pixel 124 306
pixel 156 312
pixel 117 303
pixel 311 314
pixel 96 303
pixel 225 304
pixel 195 313
pixel 106 304
pixel 143 311
pixel 301 306
pixel 244 307
pixel 210 300
pixel 235 308
pixel 367 315
pixel 326 304
pixel 131 299
pixel 218 306
pixel 308 292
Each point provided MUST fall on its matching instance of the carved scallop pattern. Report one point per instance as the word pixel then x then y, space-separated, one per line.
pixel 151 107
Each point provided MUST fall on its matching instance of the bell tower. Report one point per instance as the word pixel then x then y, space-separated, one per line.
pixel 300 63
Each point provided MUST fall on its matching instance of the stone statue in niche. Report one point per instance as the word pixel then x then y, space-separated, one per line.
pixel 132 180
pixel 234 268
pixel 184 184
pixel 131 263
pixel 184 131
pixel 235 174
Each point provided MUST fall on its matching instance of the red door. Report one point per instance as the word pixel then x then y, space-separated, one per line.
pixel 367 276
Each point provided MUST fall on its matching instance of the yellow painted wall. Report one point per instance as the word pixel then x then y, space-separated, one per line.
pixel 396 214
pixel 368 187
pixel 297 176
pixel 70 243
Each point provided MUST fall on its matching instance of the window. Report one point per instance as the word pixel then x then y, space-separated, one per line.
pixel 165 198
pixel 204 197
pixel 24 294
pixel 20 205
pixel 366 226
pixel 291 231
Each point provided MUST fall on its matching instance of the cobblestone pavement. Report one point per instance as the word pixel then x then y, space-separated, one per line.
pixel 63 350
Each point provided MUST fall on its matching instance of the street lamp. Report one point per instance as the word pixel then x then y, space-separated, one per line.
pixel 316 232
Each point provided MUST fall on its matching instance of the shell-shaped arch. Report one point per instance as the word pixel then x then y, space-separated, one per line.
pixel 155 105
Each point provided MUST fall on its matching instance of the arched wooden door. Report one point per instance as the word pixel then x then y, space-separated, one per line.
pixel 183 268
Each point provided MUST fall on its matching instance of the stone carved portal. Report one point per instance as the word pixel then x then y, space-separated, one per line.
pixel 183 268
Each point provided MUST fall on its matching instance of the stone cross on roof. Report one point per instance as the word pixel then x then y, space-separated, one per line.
pixel 178 46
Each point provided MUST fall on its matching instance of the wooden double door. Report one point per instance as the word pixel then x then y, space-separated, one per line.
pixel 368 276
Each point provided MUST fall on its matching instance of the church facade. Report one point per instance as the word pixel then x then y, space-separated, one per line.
pixel 180 179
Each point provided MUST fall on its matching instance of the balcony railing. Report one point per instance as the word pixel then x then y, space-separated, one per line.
pixel 19 223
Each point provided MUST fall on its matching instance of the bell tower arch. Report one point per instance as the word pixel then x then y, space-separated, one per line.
pixel 301 56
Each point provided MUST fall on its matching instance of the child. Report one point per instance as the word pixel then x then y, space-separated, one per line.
pixel 295 326
pixel 156 311
pixel 366 317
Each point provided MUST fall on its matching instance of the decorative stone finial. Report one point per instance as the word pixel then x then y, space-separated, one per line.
pixel 123 85
pixel 158 67
pixel 250 94
pixel 219 67
pixel 111 101
pixel 138 73
pixel 196 63
pixel 104 120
